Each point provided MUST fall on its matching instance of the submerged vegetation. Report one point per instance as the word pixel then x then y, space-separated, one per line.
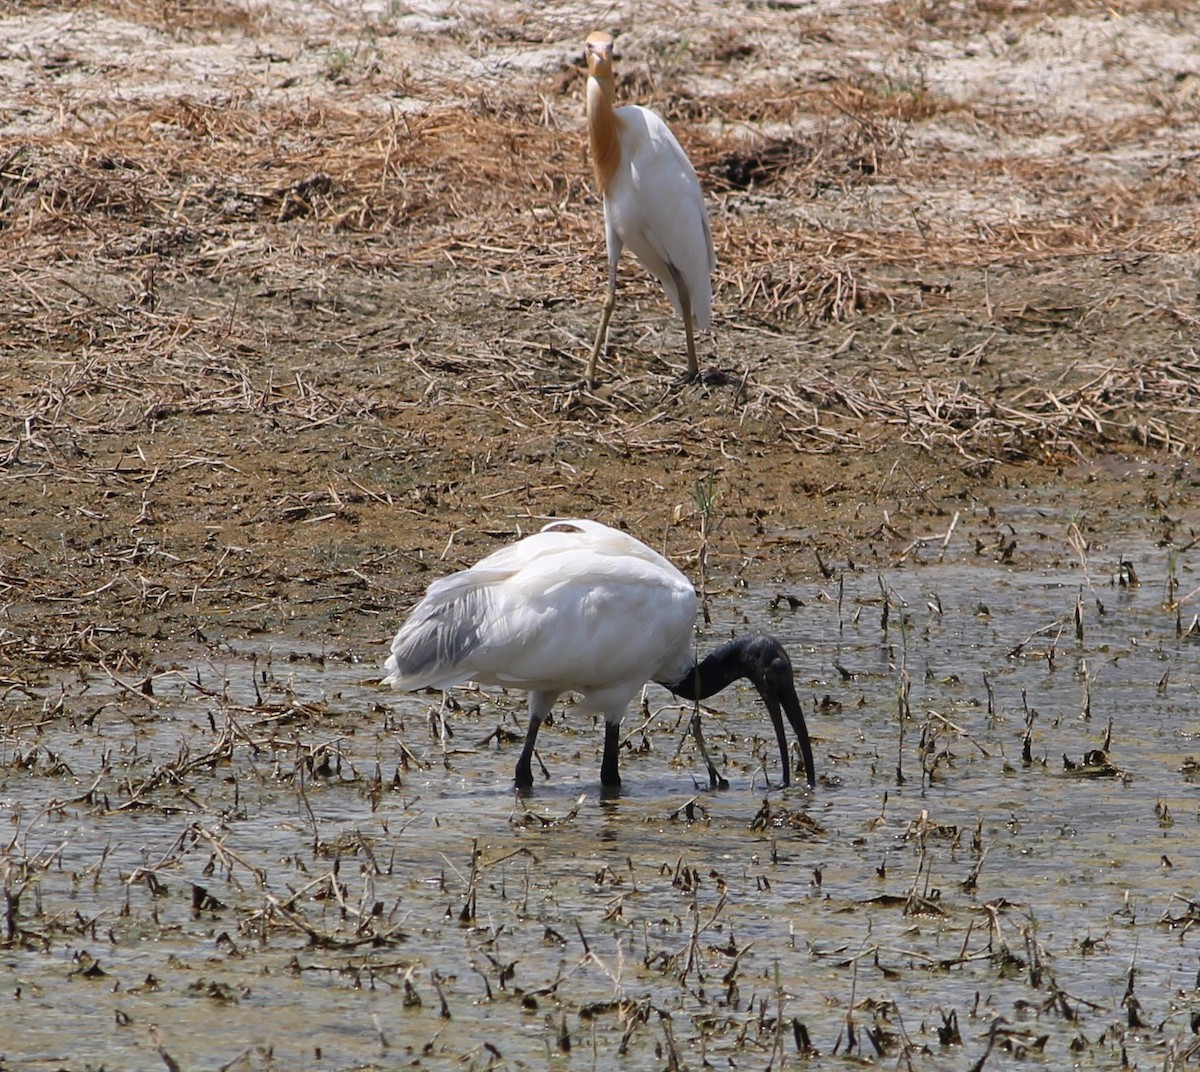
pixel 996 864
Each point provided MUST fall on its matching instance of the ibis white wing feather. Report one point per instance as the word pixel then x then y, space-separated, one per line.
pixel 577 606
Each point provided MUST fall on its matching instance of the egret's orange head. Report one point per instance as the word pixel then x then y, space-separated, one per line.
pixel 599 52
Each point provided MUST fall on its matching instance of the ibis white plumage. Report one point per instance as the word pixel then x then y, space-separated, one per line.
pixel 652 203
pixel 584 608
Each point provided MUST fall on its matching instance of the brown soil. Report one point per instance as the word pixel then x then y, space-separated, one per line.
pixel 298 300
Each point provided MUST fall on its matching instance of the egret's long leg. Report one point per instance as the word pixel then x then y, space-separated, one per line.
pixel 689 331
pixel 605 316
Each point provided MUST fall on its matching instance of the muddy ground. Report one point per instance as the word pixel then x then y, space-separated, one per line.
pixel 297 299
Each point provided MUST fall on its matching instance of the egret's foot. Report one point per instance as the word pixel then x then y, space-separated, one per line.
pixel 720 377
pixel 709 377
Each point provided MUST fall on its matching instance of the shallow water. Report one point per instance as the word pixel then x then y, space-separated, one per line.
pixel 246 868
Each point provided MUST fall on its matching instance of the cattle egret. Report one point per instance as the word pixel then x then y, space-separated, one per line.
pixel 652 203
pixel 584 608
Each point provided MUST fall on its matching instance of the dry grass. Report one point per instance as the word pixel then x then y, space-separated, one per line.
pixel 1153 404
pixel 232 191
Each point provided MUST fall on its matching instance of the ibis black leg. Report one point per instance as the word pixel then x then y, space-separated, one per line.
pixel 610 777
pixel 540 704
pixel 524 779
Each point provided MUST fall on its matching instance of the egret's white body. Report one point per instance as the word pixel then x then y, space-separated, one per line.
pixel 652 202
pixel 584 608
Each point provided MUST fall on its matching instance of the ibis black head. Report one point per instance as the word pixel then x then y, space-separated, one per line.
pixel 765 662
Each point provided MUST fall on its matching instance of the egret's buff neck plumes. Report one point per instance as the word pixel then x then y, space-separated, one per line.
pixel 604 124
pixel 653 204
